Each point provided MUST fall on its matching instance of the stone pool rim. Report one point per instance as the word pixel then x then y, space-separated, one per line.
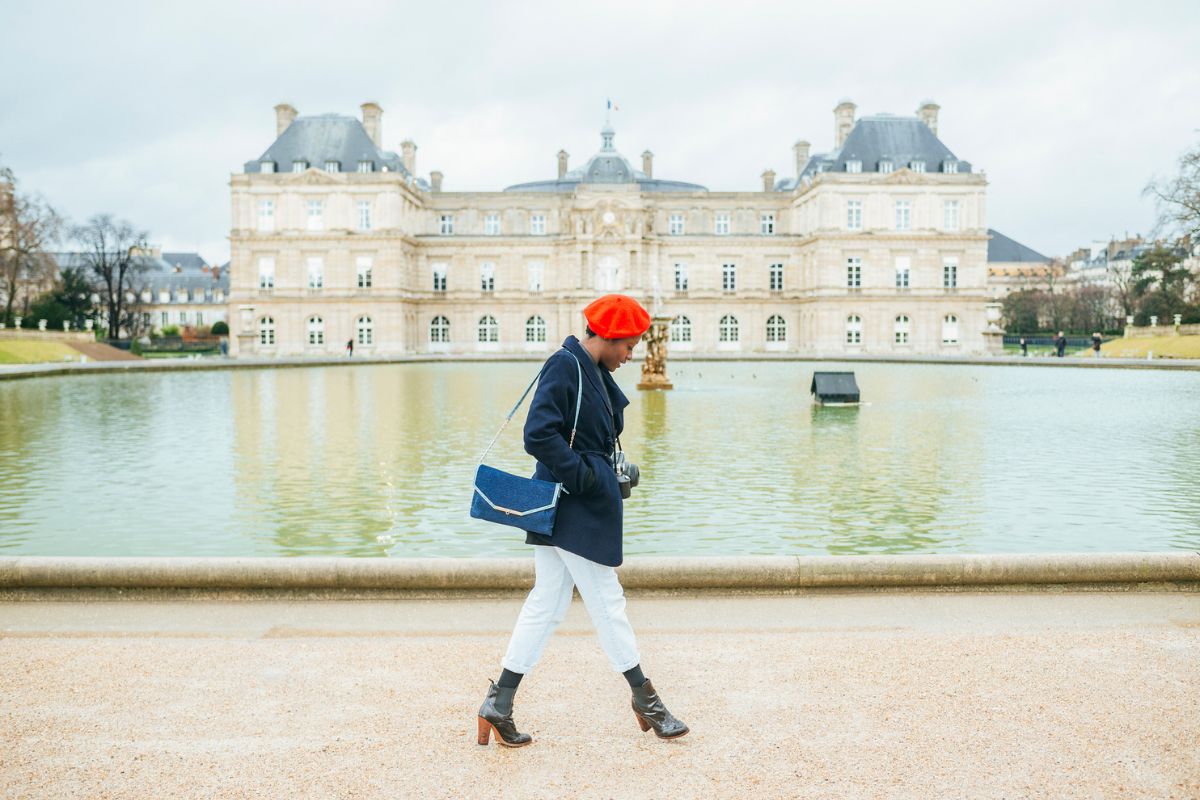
pixel 637 573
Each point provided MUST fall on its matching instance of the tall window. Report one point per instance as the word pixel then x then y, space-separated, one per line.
pixel 903 215
pixel 316 330
pixel 950 329
pixel 776 329
pixel 917 166
pixel 364 331
pixel 537 224
pixel 853 272
pixel 537 276
pixel 491 225
pixel 901 329
pixel 950 273
pixel 316 219
pixel 727 330
pixel 854 329
pixel 366 166
pixel 299 166
pixel 903 268
pixel 266 330
pixel 766 224
pixel 487 276
pixel 950 215
pixel 535 330
pixel 333 166
pixel 266 272
pixel 854 165
pixel 675 224
pixel 164 319
pixel 266 166
pixel 949 166
pixel 266 215
pixel 439 330
pixel 446 224
pixel 854 215
pixel 316 272
pixel 364 215
pixel 439 277
pixel 729 277
pixel 364 266
pixel 681 276
pixel 681 329
pixel 489 330
pixel 722 228
pixel 886 166
pixel 776 277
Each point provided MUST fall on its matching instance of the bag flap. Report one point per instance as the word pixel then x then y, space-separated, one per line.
pixel 514 495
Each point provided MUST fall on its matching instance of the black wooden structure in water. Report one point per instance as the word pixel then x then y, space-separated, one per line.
pixel 834 387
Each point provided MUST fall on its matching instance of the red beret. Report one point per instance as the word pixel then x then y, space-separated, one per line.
pixel 617 316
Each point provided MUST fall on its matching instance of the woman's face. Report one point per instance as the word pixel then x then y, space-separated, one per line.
pixel 617 351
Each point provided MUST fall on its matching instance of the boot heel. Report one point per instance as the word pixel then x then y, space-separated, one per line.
pixel 485 731
pixel 645 726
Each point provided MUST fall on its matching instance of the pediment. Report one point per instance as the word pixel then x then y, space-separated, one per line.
pixel 314 177
pixel 904 176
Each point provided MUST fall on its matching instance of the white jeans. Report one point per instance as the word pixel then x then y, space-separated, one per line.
pixel 557 572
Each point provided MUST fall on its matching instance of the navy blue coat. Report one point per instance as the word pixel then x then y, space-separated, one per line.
pixel 588 521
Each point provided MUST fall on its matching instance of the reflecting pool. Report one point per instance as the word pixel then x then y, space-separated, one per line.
pixel 375 460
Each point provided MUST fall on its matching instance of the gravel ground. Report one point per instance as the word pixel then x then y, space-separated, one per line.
pixel 829 695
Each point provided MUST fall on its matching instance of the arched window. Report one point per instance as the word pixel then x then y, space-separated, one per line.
pixel 316 330
pixel 776 329
pixel 854 329
pixel 364 331
pixel 266 331
pixel 681 329
pixel 950 329
pixel 727 330
pixel 489 331
pixel 902 328
pixel 535 329
pixel 439 330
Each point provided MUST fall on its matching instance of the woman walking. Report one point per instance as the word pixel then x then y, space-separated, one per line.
pixel 585 545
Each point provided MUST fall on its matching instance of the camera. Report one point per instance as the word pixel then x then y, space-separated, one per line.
pixel 628 474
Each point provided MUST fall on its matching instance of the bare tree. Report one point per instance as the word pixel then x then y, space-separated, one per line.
pixel 28 228
pixel 112 254
pixel 1122 283
pixel 1178 199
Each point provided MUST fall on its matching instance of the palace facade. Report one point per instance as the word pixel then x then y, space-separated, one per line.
pixel 877 246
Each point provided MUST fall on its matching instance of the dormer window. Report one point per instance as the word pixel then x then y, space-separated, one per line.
pixel 266 166
pixel 299 166
pixel 950 166
pixel 917 166
pixel 333 166
pixel 854 165
pixel 366 166
pixel 886 166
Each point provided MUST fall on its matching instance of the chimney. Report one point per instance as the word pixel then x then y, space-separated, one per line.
pixel 373 122
pixel 562 164
pixel 435 180
pixel 408 151
pixel 801 149
pixel 768 179
pixel 928 112
pixel 284 114
pixel 648 164
pixel 843 121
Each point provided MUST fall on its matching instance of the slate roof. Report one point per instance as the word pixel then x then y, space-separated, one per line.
pixel 1002 249
pixel 160 274
pixel 880 137
pixel 319 138
pixel 189 261
pixel 606 166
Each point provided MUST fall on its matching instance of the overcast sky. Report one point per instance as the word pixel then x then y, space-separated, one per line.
pixel 144 109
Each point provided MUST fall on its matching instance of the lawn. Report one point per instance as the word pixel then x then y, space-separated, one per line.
pixel 1160 346
pixel 25 352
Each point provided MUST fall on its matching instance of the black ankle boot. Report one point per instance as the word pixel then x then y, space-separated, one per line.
pixel 651 713
pixel 490 718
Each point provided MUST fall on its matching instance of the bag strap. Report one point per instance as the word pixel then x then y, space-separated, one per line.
pixel 578 399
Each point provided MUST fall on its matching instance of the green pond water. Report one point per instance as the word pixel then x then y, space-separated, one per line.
pixel 377 460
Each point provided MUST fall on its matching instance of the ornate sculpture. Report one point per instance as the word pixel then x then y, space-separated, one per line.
pixel 654 371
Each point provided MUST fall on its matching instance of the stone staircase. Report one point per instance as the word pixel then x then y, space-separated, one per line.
pixel 96 351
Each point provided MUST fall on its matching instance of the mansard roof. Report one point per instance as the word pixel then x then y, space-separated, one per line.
pixel 1002 249
pixel 606 166
pixel 882 137
pixel 320 138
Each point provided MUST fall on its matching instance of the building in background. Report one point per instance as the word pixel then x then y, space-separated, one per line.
pixel 877 246
pixel 1014 267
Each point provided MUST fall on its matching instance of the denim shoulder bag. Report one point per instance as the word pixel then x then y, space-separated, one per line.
pixel 526 503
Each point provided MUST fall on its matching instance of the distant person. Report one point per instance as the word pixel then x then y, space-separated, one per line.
pixel 224 345
pixel 349 347
pixel 1060 345
pixel 1024 347
pixel 1096 340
